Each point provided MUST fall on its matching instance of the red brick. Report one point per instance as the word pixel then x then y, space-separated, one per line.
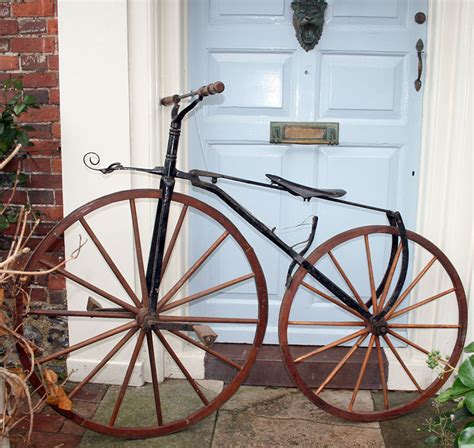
pixel 41 196
pixel 56 166
pixel 43 8
pixel 44 423
pixel 44 114
pixel 58 196
pixel 4 9
pixel 50 181
pixel 32 44
pixel 70 427
pixel 45 148
pixel 53 26
pixel 34 61
pixel 31 26
pixel 41 131
pixel 56 282
pixel 54 96
pixel 8 63
pixel 37 294
pixel 47 439
pixel 4 45
pixel 36 165
pixel 53 213
pixel 8 27
pixel 41 95
pixel 56 130
pixel 19 197
pixel 40 80
pixel 92 392
pixel 53 62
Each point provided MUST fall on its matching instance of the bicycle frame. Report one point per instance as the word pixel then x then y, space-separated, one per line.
pixel 169 173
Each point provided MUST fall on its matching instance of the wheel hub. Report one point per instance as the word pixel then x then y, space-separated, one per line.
pixel 379 327
pixel 146 319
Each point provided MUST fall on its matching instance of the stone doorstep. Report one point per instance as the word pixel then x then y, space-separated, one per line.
pixel 269 369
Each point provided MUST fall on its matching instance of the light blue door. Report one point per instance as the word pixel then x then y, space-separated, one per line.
pixel 361 74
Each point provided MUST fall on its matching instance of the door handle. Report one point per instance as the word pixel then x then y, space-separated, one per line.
pixel 419 49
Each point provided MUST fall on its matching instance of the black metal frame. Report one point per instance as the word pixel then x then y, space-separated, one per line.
pixel 169 173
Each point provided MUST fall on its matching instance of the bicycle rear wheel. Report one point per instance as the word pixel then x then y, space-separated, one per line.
pixel 107 304
pixel 371 362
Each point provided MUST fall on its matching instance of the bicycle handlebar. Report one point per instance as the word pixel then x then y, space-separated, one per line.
pixel 210 89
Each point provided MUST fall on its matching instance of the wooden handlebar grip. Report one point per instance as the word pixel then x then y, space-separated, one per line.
pixel 211 89
pixel 169 100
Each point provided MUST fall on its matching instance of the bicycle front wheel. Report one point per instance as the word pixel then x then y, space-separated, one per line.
pixel 326 344
pixel 110 338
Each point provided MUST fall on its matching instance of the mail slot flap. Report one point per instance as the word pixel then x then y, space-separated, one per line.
pixel 304 133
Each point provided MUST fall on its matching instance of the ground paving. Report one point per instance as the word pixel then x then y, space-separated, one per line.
pixel 253 417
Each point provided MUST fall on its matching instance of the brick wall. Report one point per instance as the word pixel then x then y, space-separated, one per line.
pixel 29 50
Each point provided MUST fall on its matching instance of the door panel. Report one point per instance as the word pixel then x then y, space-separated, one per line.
pixel 360 74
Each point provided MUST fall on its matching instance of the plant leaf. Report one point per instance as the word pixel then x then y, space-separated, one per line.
pixel 466 372
pixel 432 440
pixel 469 348
pixel 469 401
pixel 465 438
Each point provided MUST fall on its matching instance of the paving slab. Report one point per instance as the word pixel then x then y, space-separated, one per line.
pixel 138 409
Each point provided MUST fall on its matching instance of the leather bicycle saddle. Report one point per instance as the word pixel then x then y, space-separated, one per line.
pixel 305 192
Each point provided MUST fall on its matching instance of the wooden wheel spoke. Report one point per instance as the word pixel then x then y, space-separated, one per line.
pixel 198 263
pixel 331 345
pixel 154 377
pixel 373 292
pixel 110 262
pixel 326 324
pixel 423 302
pixel 340 364
pixel 391 273
pixel 93 340
pixel 410 287
pixel 206 349
pixel 400 360
pixel 173 239
pixel 139 253
pixel 102 363
pixel 439 326
pixel 331 299
pixel 72 313
pixel 382 372
pixel 203 319
pixel 362 373
pixel 407 341
pixel 202 294
pixel 181 366
pixel 346 279
pixel 91 287
pixel 126 380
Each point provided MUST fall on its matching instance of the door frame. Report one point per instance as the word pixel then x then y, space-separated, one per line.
pixel 148 49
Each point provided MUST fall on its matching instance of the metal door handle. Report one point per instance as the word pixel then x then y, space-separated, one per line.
pixel 419 49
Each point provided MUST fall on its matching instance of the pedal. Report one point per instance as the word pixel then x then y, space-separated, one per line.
pixel 93 305
pixel 205 334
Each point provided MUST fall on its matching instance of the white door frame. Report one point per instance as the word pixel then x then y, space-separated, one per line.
pixel 135 51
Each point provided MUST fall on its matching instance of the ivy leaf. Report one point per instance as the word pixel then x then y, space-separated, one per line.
pixel 468 349
pixel 29 100
pixel 466 372
pixel 432 440
pixel 19 108
pixel 469 401
pixel 4 224
pixel 2 128
pixel 465 438
pixel 18 84
pixel 22 137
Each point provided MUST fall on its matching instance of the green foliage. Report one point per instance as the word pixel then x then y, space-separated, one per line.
pixel 13 103
pixel 449 429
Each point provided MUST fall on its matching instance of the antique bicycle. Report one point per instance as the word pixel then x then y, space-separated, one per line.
pixel 377 318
